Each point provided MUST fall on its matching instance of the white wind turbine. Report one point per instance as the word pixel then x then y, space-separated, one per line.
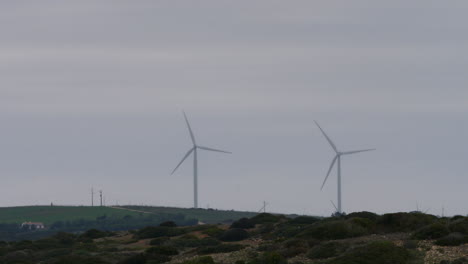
pixel 195 161
pixel 337 159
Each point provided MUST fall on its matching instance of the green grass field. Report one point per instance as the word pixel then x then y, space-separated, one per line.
pixel 209 216
pixel 51 214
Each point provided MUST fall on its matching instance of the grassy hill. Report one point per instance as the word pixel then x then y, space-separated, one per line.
pixel 51 214
pixel 208 216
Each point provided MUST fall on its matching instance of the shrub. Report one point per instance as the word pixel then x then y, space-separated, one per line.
pixel 94 233
pixel 213 231
pixel 235 234
pixel 460 225
pixel 135 259
pixel 326 250
pixel 294 247
pixel 269 258
pixel 364 223
pixel 222 248
pixel 158 231
pixel 404 222
pixel 379 252
pixel 162 250
pixel 81 260
pixel 265 218
pixel 366 215
pixel 303 220
pixel 337 229
pixel 168 224
pixel 432 231
pixel 452 239
pixel 244 223
pixel 200 260
pixel 182 242
pixel 158 241
pixel 410 244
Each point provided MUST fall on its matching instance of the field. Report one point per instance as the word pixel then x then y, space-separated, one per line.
pixel 51 214
pixel 209 216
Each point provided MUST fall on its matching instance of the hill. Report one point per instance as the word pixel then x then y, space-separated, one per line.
pixel 358 238
pixel 50 214
pixel 82 218
pixel 208 216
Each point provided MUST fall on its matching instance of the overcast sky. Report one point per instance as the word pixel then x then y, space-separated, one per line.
pixel 91 94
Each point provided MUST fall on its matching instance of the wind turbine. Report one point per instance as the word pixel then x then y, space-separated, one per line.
pixel 194 150
pixel 337 159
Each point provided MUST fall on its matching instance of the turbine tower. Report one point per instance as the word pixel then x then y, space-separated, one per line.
pixel 194 150
pixel 337 159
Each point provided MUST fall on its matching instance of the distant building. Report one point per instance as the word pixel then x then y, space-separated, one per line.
pixel 32 225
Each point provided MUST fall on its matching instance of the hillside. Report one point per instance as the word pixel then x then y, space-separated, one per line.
pixel 50 214
pixel 82 218
pixel 358 238
pixel 208 216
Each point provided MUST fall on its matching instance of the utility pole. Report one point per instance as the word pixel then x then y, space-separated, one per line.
pixel 100 194
pixel 92 196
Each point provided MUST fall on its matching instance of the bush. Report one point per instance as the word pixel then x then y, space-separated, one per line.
pixel 326 250
pixel 410 244
pixel 265 218
pixel 162 250
pixel 294 247
pixel 366 215
pixel 379 252
pixel 158 241
pixel 460 225
pixel 244 223
pixel 303 220
pixel 158 231
pixel 269 258
pixel 366 223
pixel 182 242
pixel 404 222
pixel 337 229
pixel 94 233
pixel 200 260
pixel 453 239
pixel 235 234
pixel 168 224
pixel 81 260
pixel 222 248
pixel 213 231
pixel 136 259
pixel 432 231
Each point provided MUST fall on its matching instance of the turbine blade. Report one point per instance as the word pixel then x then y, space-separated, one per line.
pixel 212 149
pixel 328 139
pixel 329 170
pixel 190 129
pixel 334 205
pixel 182 161
pixel 356 151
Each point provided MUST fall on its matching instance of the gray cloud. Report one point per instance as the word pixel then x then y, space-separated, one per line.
pixel 92 92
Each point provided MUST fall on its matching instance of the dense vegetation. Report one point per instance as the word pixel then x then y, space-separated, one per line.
pixel 358 238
